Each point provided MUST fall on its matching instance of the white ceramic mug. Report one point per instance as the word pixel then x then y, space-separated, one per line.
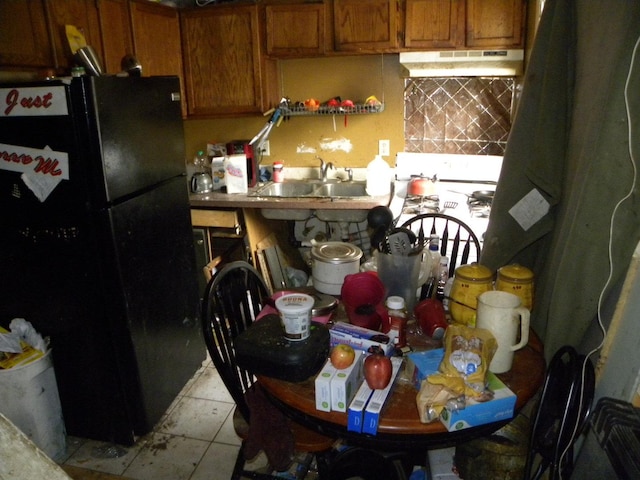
pixel 504 316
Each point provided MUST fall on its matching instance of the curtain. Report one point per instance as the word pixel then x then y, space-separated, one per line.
pixel 567 166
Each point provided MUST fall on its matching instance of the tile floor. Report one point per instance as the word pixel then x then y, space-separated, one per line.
pixel 195 440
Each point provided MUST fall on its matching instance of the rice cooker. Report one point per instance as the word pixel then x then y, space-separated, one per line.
pixel 331 262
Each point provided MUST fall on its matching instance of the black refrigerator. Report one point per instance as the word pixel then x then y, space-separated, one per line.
pixel 96 245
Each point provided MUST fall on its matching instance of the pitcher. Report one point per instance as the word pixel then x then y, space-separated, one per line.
pixel 504 316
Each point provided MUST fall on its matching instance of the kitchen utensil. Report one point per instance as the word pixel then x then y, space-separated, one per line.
pixel 88 58
pixel 400 275
pixel 331 262
pixel 422 185
pixel 504 316
pixel 131 65
pixel 450 204
pixel 201 182
pixel 478 195
pixel 380 216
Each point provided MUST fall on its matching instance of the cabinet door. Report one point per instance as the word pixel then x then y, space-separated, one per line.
pixel 116 32
pixel 24 37
pixel 295 30
pixel 495 23
pixel 83 15
pixel 156 40
pixel 365 25
pixel 225 72
pixel 434 23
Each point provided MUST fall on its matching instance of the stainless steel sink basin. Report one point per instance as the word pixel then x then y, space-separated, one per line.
pixel 286 189
pixel 298 189
pixel 350 189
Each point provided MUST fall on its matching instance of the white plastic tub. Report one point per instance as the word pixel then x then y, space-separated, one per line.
pixel 29 399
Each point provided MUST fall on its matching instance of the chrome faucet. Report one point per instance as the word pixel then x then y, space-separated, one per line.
pixel 324 167
pixel 349 173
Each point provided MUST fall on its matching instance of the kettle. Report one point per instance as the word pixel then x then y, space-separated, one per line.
pixel 201 182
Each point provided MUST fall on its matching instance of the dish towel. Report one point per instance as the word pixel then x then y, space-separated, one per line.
pixel 268 431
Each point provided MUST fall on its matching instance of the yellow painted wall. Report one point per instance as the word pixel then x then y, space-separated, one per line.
pixel 353 78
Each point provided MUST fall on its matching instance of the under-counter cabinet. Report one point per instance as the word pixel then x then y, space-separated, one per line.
pixel 226 72
pixel 435 24
pixel 296 29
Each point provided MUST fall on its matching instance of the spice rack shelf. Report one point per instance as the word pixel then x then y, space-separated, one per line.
pixel 326 110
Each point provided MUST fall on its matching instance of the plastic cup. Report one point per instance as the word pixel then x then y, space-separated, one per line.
pixel 295 312
pixel 363 298
pixel 400 274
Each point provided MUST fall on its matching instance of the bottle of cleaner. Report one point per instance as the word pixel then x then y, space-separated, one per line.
pixel 378 177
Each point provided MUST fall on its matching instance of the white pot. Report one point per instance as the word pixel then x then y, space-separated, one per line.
pixel 331 262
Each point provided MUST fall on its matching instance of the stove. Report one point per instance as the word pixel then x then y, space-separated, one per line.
pixel 463 189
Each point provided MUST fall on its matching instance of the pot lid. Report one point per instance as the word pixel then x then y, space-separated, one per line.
pixel 516 272
pixel 474 271
pixel 323 304
pixel 336 252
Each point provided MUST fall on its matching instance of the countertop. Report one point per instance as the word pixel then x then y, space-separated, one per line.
pixel 238 200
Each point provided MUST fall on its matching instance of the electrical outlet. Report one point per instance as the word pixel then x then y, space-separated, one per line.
pixel 266 149
pixel 383 148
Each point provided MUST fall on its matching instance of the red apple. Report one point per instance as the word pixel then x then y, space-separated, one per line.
pixel 377 370
pixel 342 356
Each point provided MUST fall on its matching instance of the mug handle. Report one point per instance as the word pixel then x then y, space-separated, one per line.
pixel 524 328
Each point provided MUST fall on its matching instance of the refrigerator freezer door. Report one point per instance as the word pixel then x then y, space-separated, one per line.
pixel 140 138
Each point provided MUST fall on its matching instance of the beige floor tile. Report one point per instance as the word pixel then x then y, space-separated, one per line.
pixel 166 457
pixel 227 433
pixel 209 385
pixel 103 457
pixel 217 463
pixel 196 418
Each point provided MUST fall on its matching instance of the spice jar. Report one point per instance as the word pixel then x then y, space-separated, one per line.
pixel 469 282
pixel 518 280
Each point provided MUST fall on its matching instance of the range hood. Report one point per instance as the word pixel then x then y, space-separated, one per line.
pixel 463 63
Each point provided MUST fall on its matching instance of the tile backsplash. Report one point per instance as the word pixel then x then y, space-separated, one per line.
pixel 458 115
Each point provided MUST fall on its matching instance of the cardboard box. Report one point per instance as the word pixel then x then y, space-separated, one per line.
pixel 360 338
pixel 480 413
pixel 356 408
pixel 344 384
pixel 376 402
pixel 422 364
pixel 323 387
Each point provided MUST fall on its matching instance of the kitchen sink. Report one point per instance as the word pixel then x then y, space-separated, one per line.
pixel 350 189
pixel 286 189
pixel 296 189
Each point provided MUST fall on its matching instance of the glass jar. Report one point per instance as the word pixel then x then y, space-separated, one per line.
pixel 469 282
pixel 518 280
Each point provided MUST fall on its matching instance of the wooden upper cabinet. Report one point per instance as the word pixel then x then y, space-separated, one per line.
pixel 24 36
pixel 435 24
pixel 495 23
pixel 156 41
pixel 116 32
pixel 296 30
pixel 432 24
pixel 365 25
pixel 225 72
pixel 84 16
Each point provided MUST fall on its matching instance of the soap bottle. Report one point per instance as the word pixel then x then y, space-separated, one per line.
pixel 378 177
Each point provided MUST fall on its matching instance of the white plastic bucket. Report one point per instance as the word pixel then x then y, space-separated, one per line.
pixel 29 398
pixel 295 311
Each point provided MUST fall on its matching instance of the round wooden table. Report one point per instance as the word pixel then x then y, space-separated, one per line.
pixel 400 427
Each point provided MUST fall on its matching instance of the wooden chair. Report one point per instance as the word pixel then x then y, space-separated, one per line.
pixel 233 298
pixel 565 403
pixel 457 240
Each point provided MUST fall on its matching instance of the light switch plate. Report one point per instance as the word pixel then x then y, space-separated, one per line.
pixel 383 148
pixel 266 149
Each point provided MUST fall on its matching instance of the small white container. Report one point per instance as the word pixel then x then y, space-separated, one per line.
pixel 378 177
pixel 295 312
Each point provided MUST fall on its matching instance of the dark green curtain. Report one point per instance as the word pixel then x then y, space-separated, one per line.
pixel 567 165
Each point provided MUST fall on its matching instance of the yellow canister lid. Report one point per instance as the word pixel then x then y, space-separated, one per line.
pixel 515 273
pixel 474 272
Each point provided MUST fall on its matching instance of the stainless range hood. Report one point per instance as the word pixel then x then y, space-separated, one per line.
pixel 463 63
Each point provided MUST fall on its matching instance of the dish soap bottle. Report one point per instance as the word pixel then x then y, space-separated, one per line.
pixel 378 177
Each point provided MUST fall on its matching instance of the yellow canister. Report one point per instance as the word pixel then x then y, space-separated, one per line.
pixel 468 283
pixel 518 280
